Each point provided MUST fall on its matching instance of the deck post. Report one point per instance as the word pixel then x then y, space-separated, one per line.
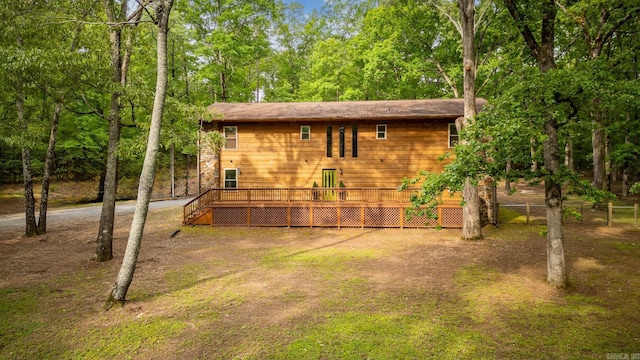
pixel 401 218
pixel 249 216
pixel 362 217
pixel 289 215
pixel 310 215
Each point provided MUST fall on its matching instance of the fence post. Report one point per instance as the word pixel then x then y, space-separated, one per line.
pixel 610 214
pixel 635 214
pixel 528 211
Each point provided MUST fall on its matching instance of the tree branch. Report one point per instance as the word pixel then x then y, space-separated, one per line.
pixel 531 41
pixel 444 12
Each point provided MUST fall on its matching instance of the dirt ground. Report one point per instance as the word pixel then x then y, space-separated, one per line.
pixel 412 256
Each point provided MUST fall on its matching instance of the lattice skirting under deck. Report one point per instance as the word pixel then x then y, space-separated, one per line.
pixel 308 215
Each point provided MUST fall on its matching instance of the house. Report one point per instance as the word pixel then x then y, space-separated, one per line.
pixel 356 146
pixel 359 143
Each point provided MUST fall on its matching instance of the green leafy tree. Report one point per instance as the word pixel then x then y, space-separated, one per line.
pixel 37 67
pixel 295 35
pixel 598 24
pixel 232 37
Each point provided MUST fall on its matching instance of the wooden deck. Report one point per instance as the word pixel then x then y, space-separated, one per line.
pixel 315 207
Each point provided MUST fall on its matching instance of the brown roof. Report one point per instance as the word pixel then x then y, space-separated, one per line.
pixel 448 109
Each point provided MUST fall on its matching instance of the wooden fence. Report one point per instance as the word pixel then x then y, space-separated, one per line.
pixel 602 213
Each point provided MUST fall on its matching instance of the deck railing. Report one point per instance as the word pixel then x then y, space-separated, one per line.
pixel 367 195
pixel 316 194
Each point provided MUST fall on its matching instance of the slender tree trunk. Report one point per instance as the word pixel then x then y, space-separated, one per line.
pixel 48 165
pixel 147 176
pixel 119 70
pixel 625 170
pixel 597 140
pixel 29 199
pixel 186 176
pixel 609 175
pixel 172 163
pixel 104 246
pixel 534 163
pixel 507 184
pixel 49 159
pixel 472 224
pixel 100 196
pixel 568 155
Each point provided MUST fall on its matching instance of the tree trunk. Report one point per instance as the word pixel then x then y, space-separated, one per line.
pixel 186 177
pixel 534 163
pixel 543 52
pixel 147 176
pixel 507 184
pixel 104 247
pixel 471 225
pixel 556 268
pixel 625 170
pixel 29 199
pixel 568 155
pixel 100 196
pixel 172 166
pixel 609 175
pixel 597 140
pixel 48 165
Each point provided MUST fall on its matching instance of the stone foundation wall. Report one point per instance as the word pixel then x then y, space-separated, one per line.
pixel 209 175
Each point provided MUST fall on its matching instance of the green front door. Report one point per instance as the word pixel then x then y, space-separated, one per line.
pixel 329 181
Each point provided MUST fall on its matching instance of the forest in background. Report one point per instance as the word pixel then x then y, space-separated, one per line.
pixel 55 70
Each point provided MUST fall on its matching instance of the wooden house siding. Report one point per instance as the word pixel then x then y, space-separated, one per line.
pixel 273 155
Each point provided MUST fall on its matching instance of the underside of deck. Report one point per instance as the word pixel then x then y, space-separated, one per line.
pixel 363 208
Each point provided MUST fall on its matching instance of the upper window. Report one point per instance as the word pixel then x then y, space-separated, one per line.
pixel 230 137
pixel 305 132
pixel 230 178
pixel 341 137
pixel 453 135
pixel 381 131
pixel 354 141
pixel 329 141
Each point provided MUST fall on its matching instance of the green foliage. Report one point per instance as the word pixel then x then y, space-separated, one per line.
pixel 432 185
pixel 214 140
pixel 81 147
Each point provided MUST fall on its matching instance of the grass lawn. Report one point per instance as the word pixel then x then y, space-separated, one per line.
pixel 276 293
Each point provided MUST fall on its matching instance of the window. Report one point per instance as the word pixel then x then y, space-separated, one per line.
pixel 231 178
pixel 381 131
pixel 230 137
pixel 305 132
pixel 354 141
pixel 342 141
pixel 453 135
pixel 329 141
